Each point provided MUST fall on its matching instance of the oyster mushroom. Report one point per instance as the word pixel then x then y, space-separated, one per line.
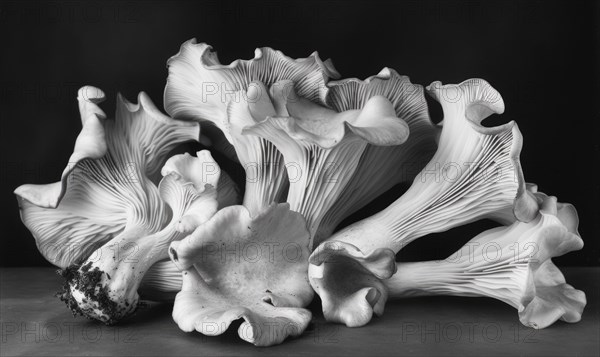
pixel 475 173
pixel 238 266
pixel 512 264
pixel 89 223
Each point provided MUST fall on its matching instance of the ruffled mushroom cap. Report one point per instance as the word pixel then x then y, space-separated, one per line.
pixel 236 266
pixel 349 282
pixel 199 87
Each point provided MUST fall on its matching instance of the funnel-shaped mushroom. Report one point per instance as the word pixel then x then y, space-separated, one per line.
pixel 106 222
pixel 106 182
pixel 381 167
pixel 233 96
pixel 474 174
pixel 322 147
pixel 512 264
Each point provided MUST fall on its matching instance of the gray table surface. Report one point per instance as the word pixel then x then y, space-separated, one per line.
pixel 34 322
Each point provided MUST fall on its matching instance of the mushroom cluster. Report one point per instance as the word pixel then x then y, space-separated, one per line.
pixel 129 220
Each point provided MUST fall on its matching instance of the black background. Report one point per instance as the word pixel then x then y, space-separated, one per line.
pixel 541 56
